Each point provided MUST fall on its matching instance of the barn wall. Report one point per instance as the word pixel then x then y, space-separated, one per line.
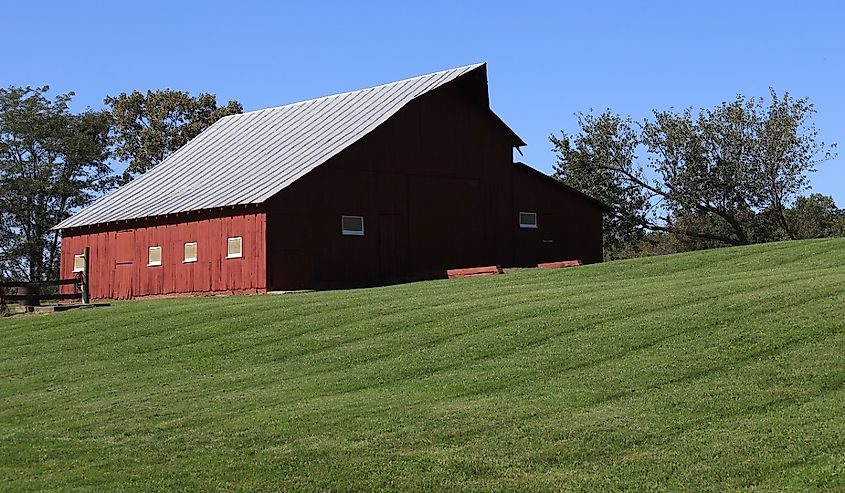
pixel 569 226
pixel 436 186
pixel 119 257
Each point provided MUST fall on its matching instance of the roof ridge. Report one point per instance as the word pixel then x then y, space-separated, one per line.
pixel 328 96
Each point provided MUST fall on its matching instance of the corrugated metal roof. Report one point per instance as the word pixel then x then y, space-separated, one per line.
pixel 247 158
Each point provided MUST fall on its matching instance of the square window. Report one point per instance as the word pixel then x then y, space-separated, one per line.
pixel 528 220
pixel 154 256
pixel 190 252
pixel 235 247
pixel 79 263
pixel 352 225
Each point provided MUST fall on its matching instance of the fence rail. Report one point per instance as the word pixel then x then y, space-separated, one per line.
pixel 31 293
pixel 38 284
pixel 55 296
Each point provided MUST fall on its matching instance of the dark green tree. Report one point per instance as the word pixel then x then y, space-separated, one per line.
pixel 149 127
pixel 814 216
pixel 51 162
pixel 723 166
pixel 599 161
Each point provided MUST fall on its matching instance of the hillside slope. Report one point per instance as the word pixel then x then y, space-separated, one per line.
pixel 709 371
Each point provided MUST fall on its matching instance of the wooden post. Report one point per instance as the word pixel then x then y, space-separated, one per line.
pixel 3 308
pixel 30 293
pixel 86 293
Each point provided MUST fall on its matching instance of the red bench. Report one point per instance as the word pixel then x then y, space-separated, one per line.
pixel 490 270
pixel 558 265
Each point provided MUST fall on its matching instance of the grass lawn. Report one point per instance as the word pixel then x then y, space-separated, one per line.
pixel 711 371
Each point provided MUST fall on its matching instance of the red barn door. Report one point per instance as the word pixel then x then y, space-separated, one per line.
pixel 124 264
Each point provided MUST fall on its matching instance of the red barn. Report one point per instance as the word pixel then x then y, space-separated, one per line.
pixel 390 183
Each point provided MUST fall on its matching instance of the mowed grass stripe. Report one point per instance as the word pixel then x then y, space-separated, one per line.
pixel 708 371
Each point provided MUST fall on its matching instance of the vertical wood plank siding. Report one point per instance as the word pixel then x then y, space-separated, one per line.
pixel 438 190
pixel 435 183
pixel 119 268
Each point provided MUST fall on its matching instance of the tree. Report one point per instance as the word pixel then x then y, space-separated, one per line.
pixel 606 138
pixel 788 151
pixel 726 165
pixel 815 216
pixel 149 127
pixel 51 162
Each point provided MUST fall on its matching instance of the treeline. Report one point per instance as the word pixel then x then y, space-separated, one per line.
pixel 681 180
pixel 54 161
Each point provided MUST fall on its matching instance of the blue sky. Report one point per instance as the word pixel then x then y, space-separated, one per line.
pixel 546 59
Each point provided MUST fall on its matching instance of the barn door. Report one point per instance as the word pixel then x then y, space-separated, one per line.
pixel 124 264
pixel 552 246
pixel 392 248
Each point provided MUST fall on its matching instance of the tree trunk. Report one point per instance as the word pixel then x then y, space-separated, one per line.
pixel 784 223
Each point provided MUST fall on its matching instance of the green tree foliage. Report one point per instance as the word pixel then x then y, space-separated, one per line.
pixel 582 163
pixel 149 127
pixel 51 161
pixel 708 175
pixel 815 216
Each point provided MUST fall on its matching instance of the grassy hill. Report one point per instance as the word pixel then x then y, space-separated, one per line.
pixel 709 371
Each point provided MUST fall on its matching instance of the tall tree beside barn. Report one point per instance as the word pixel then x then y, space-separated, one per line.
pixel 52 161
pixel 584 163
pixel 724 165
pixel 150 126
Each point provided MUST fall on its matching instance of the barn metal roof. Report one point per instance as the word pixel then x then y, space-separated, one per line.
pixel 247 158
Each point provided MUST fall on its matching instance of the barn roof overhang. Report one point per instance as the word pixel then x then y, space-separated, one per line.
pixel 517 140
pixel 164 219
pixel 522 166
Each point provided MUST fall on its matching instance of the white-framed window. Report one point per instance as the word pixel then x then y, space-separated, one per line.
pixel 528 220
pixel 154 257
pixel 235 247
pixel 352 225
pixel 190 252
pixel 78 263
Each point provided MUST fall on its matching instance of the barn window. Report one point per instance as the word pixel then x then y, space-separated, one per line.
pixel 352 225
pixel 528 220
pixel 78 263
pixel 190 252
pixel 154 256
pixel 235 247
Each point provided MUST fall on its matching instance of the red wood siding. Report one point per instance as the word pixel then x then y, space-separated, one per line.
pixel 435 184
pixel 568 226
pixel 438 190
pixel 119 257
